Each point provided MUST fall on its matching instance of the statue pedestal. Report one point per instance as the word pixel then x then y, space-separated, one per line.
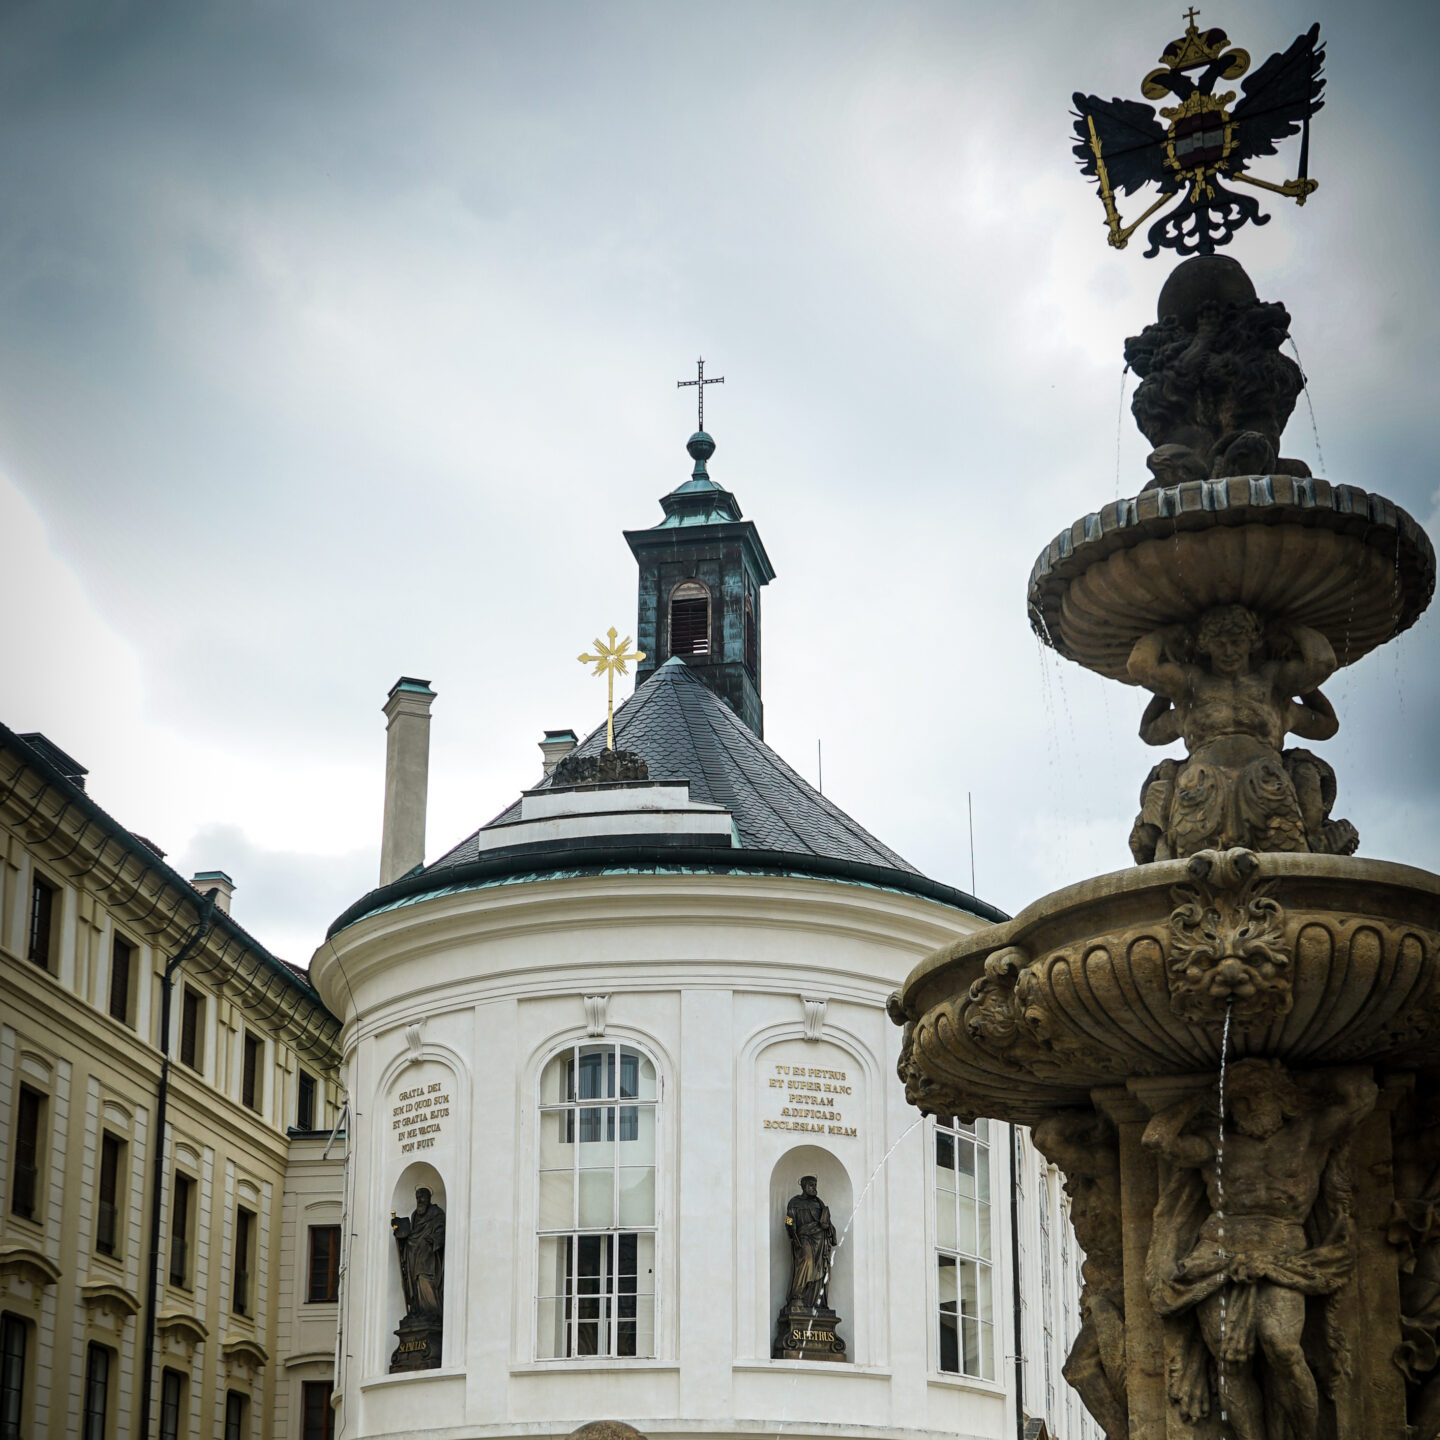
pixel 805 1334
pixel 419 1347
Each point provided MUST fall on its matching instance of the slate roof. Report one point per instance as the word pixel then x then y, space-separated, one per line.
pixel 683 731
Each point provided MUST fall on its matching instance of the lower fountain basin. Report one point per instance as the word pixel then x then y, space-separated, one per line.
pixel 1318 959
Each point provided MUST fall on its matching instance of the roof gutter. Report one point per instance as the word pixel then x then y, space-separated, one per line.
pixel 600 858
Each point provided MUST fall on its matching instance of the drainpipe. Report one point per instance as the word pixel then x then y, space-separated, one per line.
pixel 1017 1315
pixel 162 1101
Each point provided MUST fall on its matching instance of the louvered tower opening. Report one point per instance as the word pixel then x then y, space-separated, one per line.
pixel 690 619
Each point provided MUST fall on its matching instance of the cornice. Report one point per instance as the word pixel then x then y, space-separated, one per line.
pixel 905 925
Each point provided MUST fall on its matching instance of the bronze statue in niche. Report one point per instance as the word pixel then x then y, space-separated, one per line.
pixel 1239 1246
pixel 812 1243
pixel 420 1241
pixel 1232 690
pixel 806 1327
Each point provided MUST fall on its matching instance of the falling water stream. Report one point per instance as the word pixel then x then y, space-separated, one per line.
pixel 1120 426
pixel 1309 405
pixel 1220 1201
pixel 840 1243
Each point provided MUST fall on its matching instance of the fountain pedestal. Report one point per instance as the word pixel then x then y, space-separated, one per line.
pixel 1262 1260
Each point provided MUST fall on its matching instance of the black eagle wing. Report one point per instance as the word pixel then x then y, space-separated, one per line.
pixel 1132 141
pixel 1281 94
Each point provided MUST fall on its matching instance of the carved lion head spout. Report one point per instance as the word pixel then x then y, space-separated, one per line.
pixel 1227 941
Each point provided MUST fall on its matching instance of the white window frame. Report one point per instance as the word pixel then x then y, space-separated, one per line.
pixel 983 1134
pixel 606 1354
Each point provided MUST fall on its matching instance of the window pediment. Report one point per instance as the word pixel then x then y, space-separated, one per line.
pixel 108 1304
pixel 245 1359
pixel 28 1265
pixel 181 1333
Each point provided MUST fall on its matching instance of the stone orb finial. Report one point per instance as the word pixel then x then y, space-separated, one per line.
pixel 1202 278
pixel 605 1430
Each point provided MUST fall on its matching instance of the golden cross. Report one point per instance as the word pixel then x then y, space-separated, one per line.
pixel 1190 15
pixel 609 660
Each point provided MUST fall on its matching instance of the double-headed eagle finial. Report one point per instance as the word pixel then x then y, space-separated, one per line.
pixel 1209 138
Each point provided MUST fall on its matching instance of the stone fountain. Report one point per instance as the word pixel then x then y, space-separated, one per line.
pixel 1232 1049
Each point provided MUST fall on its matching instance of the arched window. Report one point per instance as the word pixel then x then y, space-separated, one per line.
pixel 690 619
pixel 963 1248
pixel 595 1288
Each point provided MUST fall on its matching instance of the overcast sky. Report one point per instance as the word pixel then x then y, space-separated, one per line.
pixel 340 341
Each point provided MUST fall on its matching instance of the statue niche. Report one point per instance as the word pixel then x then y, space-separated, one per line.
pixel 1232 690
pixel 420 1241
pixel 805 1329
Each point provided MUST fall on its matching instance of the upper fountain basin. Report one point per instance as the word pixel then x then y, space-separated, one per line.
pixel 1333 557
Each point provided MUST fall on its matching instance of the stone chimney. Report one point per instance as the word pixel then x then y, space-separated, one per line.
pixel 217 880
pixel 407 777
pixel 556 745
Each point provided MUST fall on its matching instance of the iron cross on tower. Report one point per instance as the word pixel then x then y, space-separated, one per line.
pixel 700 382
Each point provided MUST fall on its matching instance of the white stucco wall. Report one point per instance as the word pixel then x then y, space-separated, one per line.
pixel 709 975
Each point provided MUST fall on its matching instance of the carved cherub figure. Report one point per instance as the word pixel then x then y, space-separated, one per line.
pixel 1230 692
pixel 1246 1267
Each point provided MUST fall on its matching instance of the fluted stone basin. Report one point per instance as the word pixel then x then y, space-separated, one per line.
pixel 1319 960
pixel 1339 559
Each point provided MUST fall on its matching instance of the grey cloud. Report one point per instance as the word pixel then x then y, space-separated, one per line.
pixel 341 341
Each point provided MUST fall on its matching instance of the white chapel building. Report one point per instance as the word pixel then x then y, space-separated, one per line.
pixel 610 1032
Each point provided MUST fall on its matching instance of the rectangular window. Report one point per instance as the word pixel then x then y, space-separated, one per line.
pixel 597 1238
pixel 13 1335
pixel 324 1286
pixel 1047 1297
pixel 244 1247
pixel 192 1039
pixel 122 956
pixel 252 1089
pixel 42 915
pixel 97 1393
pixel 107 1214
pixel 172 1402
pixel 180 1230
pixel 29 1124
pixel 963 1248
pixel 317 1419
pixel 237 1416
pixel 305 1102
